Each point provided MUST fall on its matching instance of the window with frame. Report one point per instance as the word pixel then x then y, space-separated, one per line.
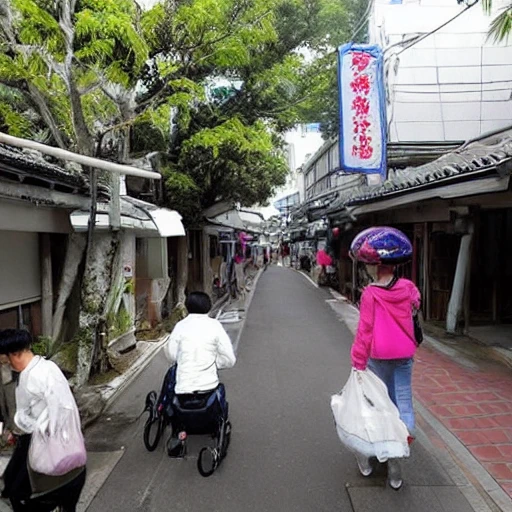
pixel 23 316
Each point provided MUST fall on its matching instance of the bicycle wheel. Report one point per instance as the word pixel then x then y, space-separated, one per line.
pixel 208 461
pixel 152 433
pixel 226 439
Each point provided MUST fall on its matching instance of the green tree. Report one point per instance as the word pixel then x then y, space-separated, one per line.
pixel 285 77
pixel 212 84
pixel 85 68
pixel 75 65
pixel 322 104
pixel 501 25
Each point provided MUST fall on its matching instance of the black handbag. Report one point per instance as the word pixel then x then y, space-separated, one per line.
pixel 418 331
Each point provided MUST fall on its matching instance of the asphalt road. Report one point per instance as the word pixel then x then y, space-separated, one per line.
pixel 284 455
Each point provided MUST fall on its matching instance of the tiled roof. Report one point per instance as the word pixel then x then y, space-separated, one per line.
pixel 399 154
pixel 485 155
pixel 30 168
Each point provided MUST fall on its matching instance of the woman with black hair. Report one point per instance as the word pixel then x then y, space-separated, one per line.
pixel 45 407
pixel 200 346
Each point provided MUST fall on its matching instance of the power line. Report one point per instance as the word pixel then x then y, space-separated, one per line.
pixel 365 20
pixel 444 121
pixel 424 36
pixel 402 102
pixel 457 66
pixel 501 89
pixel 485 82
pixel 416 39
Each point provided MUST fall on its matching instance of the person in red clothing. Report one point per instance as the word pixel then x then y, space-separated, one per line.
pixel 323 260
pixel 285 254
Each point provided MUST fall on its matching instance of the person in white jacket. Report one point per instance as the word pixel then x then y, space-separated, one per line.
pixel 43 402
pixel 200 346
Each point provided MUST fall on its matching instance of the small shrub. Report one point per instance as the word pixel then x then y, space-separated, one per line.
pixel 41 347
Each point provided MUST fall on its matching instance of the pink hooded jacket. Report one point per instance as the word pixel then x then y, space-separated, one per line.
pixel 385 329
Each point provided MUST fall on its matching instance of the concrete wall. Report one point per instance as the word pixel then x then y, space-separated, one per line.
pixel 152 279
pixel 20 269
pixel 453 85
pixel 152 258
pixel 17 216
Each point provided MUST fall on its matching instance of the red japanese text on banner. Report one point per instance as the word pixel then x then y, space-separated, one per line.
pixel 362 110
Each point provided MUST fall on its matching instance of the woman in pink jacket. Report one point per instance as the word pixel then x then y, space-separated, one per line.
pixel 385 341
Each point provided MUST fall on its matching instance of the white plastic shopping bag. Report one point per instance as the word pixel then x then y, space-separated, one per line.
pixel 367 421
pixel 57 451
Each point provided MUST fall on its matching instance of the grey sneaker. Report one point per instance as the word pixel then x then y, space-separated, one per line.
pixel 394 474
pixel 364 465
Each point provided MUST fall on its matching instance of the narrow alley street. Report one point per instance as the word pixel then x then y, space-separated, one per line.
pixel 293 355
pixel 261 163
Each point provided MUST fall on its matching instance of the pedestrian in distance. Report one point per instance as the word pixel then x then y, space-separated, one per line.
pixel 323 260
pixel 239 261
pixel 385 340
pixel 47 468
pixel 286 255
pixel 266 258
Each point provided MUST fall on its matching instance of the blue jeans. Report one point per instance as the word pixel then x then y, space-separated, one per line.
pixel 397 375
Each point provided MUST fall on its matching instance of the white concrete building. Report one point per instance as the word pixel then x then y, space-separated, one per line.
pixel 301 144
pixel 453 84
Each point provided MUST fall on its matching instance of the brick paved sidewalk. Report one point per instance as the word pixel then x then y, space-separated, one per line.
pixel 475 404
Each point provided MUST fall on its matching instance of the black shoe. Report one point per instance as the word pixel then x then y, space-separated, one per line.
pixel 176 449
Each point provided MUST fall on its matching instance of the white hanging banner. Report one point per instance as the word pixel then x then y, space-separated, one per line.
pixel 363 133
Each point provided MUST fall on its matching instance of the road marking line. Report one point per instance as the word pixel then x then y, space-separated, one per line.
pixel 247 305
pixel 336 294
pixel 308 278
pixel 99 467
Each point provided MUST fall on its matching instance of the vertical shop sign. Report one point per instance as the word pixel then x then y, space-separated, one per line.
pixel 363 133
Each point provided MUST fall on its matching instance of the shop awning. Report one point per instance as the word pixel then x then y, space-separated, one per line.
pixel 239 220
pixel 168 222
pixel 144 219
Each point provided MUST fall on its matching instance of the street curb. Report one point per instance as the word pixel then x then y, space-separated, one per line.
pixel 123 381
pixel 218 305
pixel 448 461
pixel 247 305
pixel 97 477
pixel 442 348
pixel 494 353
